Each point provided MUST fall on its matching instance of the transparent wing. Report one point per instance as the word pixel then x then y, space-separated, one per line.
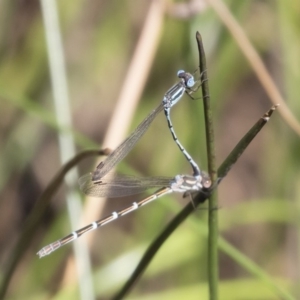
pixel 118 185
pixel 119 153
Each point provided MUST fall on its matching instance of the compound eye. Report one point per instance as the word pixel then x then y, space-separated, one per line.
pixel 190 83
pixel 179 73
pixel 206 181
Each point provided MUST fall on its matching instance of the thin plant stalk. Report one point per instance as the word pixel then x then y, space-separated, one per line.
pixel 213 262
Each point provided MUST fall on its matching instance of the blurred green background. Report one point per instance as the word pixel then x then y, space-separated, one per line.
pixel 259 199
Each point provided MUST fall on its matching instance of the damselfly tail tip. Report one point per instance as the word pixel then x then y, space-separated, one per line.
pixel 42 253
pixel 48 249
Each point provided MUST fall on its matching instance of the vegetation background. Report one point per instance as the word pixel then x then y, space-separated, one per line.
pixel 258 200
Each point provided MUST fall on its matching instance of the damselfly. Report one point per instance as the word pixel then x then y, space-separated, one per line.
pixel 124 185
pixel 187 84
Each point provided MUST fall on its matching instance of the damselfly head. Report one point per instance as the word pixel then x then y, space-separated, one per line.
pixel 188 78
